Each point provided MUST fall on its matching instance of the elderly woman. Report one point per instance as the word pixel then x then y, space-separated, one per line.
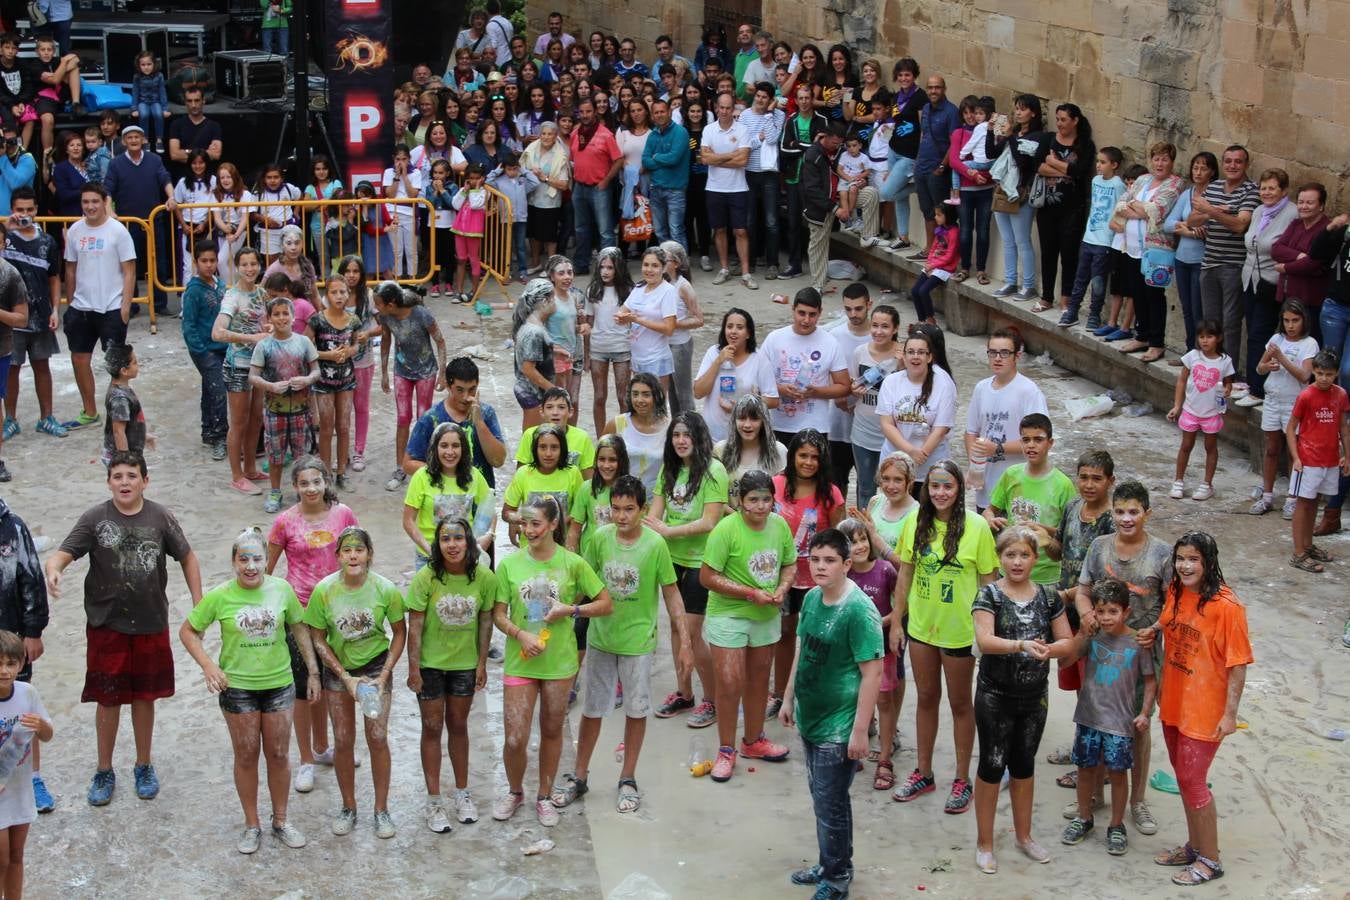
pixel 1301 276
pixel 1260 278
pixel 1140 219
pixel 548 159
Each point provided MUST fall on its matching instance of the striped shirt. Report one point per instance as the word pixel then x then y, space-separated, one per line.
pixel 1223 247
pixel 769 123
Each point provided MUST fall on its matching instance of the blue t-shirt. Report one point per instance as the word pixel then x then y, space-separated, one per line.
pixel 420 438
pixel 1106 193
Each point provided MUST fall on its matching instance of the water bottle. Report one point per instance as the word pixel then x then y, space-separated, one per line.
pixel 368 695
pixel 1221 402
pixel 482 520
pixel 15 750
pixel 975 475
pixel 726 385
pixel 1316 727
pixel 618 753
pixel 699 760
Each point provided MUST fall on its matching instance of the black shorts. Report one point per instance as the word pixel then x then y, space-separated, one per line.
pixel 693 592
pixel 437 683
pixel 298 670
pixel 954 652
pixel 85 328
pixel 580 625
pixel 370 670
pixel 241 700
pixel 795 598
pixel 728 210
pixel 543 224
pixel 48 106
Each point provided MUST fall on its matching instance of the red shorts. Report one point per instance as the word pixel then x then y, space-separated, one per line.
pixel 122 668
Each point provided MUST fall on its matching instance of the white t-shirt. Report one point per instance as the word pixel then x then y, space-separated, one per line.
pixel 631 145
pixel 899 400
pixel 758 71
pixel 607 336
pixel 808 360
pixel 974 148
pixel 419 159
pixel 726 179
pixel 1280 383
pixel 853 166
pixel 656 304
pixel 681 335
pixel 1205 383
pixel 98 254
pixel 752 376
pixel 996 413
pixel 17 806
pixel 398 192
pixel 866 431
pixel 841 422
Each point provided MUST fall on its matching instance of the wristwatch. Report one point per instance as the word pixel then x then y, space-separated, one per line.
pixel 998 451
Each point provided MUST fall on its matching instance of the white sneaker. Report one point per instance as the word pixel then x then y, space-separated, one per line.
pixel 325 758
pixel 465 810
pixel 506 805
pixel 750 282
pixel 344 822
pixel 289 835
pixel 384 825
pixel 1287 511
pixel 436 820
pixel 868 241
pixel 304 778
pixel 249 841
pixel 722 276
pixel 1178 490
pixel 1203 492
pixel 705 264
pixel 1249 400
pixel 1262 506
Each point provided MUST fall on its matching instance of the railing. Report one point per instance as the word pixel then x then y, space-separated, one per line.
pixel 495 253
pixel 46 223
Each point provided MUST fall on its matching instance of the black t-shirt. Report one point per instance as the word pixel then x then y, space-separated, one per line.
pixel 905 138
pixel 1018 673
pixel 37 261
pixel 1067 193
pixel 190 136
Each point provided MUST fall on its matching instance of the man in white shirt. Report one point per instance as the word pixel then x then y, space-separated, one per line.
pixel 726 152
pixel 100 282
pixel 499 29
pixel 854 330
pixel 555 30
pixel 763 121
pixel 809 369
pixel 761 69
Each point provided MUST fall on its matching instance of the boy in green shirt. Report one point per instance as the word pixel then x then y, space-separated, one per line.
pixel 1034 494
pixel 635 565
pixel 557 410
pixel 831 698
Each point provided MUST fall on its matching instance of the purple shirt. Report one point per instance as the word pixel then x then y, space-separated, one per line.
pixel 878 584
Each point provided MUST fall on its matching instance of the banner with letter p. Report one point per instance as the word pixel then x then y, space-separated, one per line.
pixel 361 87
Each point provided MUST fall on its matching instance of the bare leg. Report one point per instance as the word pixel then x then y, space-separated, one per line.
pixel 588 733
pixel 1143 750
pixel 1120 788
pixel 743 249
pixel 1022 791
pixel 756 690
pixel 1270 462
pixel 926 664
pixel 599 393
pixel 106 719
pixel 11 862
pixel 703 663
pixel 342 413
pixel 253 429
pixel 986 805
pixel 720 242
pixel 142 728
pixel 518 713
pixel 1184 454
pixel 782 655
pixel 377 743
pixel 276 747
pixel 552 712
pixel 634 733
pixel 623 374
pixel 959 672
pixel 325 404
pixel 84 380
pixel 433 720
pixel 246 736
pixel 729 670
pixel 1211 457
pixel 343 710
pixel 457 721
pixel 888 712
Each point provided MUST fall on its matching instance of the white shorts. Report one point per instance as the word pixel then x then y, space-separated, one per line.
pixel 1276 411
pixel 604 672
pixel 1314 480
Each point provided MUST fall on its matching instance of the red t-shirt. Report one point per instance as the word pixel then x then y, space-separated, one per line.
pixel 591 164
pixel 1319 415
pixel 805 517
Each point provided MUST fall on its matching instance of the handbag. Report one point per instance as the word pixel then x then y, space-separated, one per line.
pixel 1003 203
pixel 36 17
pixel 639 227
pixel 1158 264
pixel 1038 193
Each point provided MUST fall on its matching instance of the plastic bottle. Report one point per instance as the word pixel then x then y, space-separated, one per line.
pixel 1316 727
pixel 15 750
pixel 873 377
pixel 975 474
pixel 726 385
pixel 1221 402
pixel 368 695
pixel 482 520
pixel 618 753
pixel 698 751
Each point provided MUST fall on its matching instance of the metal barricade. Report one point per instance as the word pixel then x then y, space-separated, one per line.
pixel 267 218
pixel 495 252
pixel 61 224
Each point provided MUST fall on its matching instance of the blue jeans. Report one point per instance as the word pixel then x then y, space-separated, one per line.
pixel 866 462
pixel 897 187
pixel 1335 322
pixel 215 407
pixel 1094 265
pixel 1014 229
pixel 976 208
pixel 591 206
pixel 829 774
pixel 520 255
pixel 764 212
pixel 1188 290
pixel 277 40
pixel 1263 320
pixel 668 205
pixel 152 120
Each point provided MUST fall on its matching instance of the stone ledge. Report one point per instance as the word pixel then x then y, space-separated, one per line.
pixel 968 308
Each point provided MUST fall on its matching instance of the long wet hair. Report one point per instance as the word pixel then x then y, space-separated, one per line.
pixel 609 442
pixel 623 280
pixel 660 409
pixel 956 525
pixel 362 291
pixel 538 292
pixel 1211 579
pixel 700 458
pixel 559 432
pixel 463 473
pixel 813 438
pixel 310 461
pixel 439 565
pixel 549 506
pixel 749 328
pixel 751 407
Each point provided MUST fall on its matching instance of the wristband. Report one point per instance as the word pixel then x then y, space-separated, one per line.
pixel 576 611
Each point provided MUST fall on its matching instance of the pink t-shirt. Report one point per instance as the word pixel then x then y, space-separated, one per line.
pixel 805 517
pixel 310 547
pixel 303 310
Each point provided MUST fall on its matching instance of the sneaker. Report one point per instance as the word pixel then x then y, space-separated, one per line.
pixel 1203 492
pixel 272 504
pixel 1178 490
pixel 11 427
pixel 42 798
pixel 1249 400
pixel 1026 294
pixel 1033 851
pixel 325 758
pixel 705 264
pixel 703 715
pixel 344 822
pixel 1071 808
pixel 289 835
pixel 1077 830
pixel 868 241
pixel 78 109
pixel 765 749
pixel 101 788
pixel 772 708
pixel 249 841
pixel 436 819
pixel 84 419
pixel 1103 330
pixel 1240 390
pixel 1262 506
pixel 790 272
pixel 5 476
pixel 1287 511
pixel 304 778
pixel 749 281
pixel 772 274
pixel 1345 635
pixel 396 480
pixel 546 812
pixel 1068 319
pixel 899 244
pixel 384 825
pixel 722 276
pixel 344 483
pixel 1116 841
pixel 465 809
pixel 918 256
pixel 1006 291
pixel 1093 325
pixel 914 786
pixel 724 765
pixel 147 782
pixel 219 451
pixel 674 704
pixel 1119 334
pixel 958 801
pixel 810 875
pixel 826 891
pixel 505 806
pixel 357 463
pixel 1143 818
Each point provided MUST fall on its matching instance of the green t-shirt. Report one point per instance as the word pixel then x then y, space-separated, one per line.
pixel 448 500
pixel 834 639
pixel 563 484
pixel 682 509
pixel 253 652
pixel 527 588
pixel 580 447
pixel 592 511
pixel 889 531
pixel 452 604
pixel 749 557
pixel 354 619
pixel 1026 499
pixel 634 576
pixel 941 594
pixel 803 126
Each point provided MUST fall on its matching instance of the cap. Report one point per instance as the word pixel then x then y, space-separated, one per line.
pixel 133 128
pixel 494 76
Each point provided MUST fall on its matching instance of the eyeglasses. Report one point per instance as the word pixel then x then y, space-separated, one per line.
pixel 917 352
pixel 1000 354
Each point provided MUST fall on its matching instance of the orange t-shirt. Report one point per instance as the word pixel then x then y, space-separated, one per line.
pixel 1198 651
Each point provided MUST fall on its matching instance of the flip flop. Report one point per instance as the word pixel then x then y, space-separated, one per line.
pixel 1041 306
pixel 982 278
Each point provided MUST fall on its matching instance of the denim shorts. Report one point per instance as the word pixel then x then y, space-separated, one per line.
pixel 241 700
pixel 236 379
pixel 601 356
pixel 1092 748
pixel 438 683
pixel 528 397
pixel 331 682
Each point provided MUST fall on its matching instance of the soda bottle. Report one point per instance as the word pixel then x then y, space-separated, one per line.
pixel 726 385
pixel 368 696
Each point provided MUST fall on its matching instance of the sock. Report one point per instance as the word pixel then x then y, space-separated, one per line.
pixel 1267 496
pixel 434 799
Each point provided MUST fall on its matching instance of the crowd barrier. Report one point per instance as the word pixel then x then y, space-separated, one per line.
pixel 61 224
pixel 496 250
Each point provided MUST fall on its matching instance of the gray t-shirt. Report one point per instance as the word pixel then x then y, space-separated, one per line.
pixel 12 294
pixel 414 355
pixel 1145 574
pixel 533 345
pixel 1115 666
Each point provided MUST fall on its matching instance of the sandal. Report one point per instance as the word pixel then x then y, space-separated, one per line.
pixel 1193 875
pixel 1041 306
pixel 1317 553
pixel 572 789
pixel 1061 756
pixel 960 276
pixel 1177 856
pixel 1068 780
pixel 1152 355
pixel 884 779
pixel 1306 563
pixel 982 278
pixel 629 798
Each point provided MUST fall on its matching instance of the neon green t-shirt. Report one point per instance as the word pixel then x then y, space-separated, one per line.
pixel 941 594
pixel 580 447
pixel 446 500
pixel 592 511
pixel 452 604
pixel 1024 499
pixel 528 588
pixel 354 619
pixel 749 557
pixel 634 575
pixel 682 509
pixel 563 484
pixel 834 639
pixel 253 652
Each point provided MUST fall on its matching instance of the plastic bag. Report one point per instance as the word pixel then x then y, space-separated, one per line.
pixel 638 887
pixel 639 227
pixel 1088 407
pixel 844 270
